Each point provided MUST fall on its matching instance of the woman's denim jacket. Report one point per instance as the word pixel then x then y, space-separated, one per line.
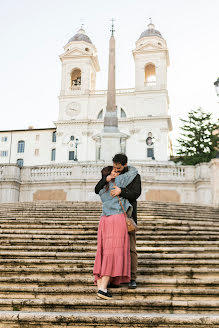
pixel 111 204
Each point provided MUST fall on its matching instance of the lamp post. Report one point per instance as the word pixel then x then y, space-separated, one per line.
pixel 216 84
pixel 76 149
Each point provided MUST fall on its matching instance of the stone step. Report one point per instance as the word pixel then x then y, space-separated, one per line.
pixel 142 223
pixel 79 280
pixel 77 226
pixel 91 231
pixel 86 270
pixel 53 216
pixel 93 236
pixel 72 319
pixel 93 242
pixel 187 210
pixel 123 293
pixel 90 248
pixel 122 306
pixel 88 204
pixel 91 254
pixel 81 263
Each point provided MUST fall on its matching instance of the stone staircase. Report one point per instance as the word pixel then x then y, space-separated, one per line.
pixel 47 252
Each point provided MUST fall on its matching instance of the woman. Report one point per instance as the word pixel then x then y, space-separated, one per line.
pixel 112 262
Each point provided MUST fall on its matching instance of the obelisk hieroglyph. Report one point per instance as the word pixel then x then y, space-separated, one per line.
pixel 110 119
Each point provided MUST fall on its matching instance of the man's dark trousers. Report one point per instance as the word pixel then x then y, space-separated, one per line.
pixel 132 192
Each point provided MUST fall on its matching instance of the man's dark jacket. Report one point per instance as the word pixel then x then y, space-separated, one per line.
pixel 131 192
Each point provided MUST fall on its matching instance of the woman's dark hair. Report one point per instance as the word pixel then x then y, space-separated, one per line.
pixel 120 158
pixel 105 172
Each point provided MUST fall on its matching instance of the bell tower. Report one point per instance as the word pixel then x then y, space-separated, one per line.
pixel 79 67
pixel 151 60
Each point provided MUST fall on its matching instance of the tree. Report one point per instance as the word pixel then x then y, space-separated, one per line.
pixel 199 138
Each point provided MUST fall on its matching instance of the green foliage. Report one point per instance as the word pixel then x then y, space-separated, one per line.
pixel 199 138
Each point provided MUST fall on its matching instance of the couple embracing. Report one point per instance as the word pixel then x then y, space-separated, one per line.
pixel 116 257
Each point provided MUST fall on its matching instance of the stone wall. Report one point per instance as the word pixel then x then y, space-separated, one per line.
pixel 160 182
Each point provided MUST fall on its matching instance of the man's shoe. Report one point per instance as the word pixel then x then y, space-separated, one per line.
pixel 132 284
pixel 111 285
pixel 103 295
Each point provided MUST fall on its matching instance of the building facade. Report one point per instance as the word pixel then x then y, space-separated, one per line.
pixel 142 111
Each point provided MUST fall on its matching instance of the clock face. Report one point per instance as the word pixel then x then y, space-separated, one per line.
pixel 73 109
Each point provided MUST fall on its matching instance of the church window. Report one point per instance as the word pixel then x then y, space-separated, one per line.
pixel 21 146
pixel 20 162
pixel 122 113
pixel 76 79
pixel 87 49
pixel 4 153
pixel 100 115
pixel 36 152
pixel 71 156
pixel 4 139
pixel 37 137
pixel 53 155
pixel 54 136
pixel 150 74
pixel 150 152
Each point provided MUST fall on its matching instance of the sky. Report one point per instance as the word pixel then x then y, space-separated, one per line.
pixel 33 33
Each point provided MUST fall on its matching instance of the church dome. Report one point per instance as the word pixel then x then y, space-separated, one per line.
pixel 80 36
pixel 150 32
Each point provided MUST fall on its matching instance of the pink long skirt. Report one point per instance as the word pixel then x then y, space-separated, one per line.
pixel 113 250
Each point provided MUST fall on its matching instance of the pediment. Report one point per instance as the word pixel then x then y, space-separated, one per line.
pixel 75 52
pixel 148 47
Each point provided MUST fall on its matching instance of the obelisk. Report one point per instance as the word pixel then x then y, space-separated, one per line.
pixel 110 119
pixel 111 137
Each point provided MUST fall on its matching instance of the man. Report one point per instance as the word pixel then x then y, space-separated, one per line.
pixel 131 192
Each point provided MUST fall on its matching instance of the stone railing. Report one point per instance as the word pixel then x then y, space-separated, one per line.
pixel 194 184
pixel 50 172
pixel 162 172
pixel 92 170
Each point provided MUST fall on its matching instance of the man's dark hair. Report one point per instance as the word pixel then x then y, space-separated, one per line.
pixel 120 158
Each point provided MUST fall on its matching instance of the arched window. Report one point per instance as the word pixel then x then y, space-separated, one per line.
pixel 20 162
pixel 100 115
pixel 122 113
pixel 54 136
pixel 53 154
pixel 150 74
pixel 76 79
pixel 21 146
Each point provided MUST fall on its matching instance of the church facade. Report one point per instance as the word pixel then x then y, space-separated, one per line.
pixel 142 111
pixel 63 163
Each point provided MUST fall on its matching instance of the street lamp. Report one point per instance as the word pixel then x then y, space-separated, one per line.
pixel 216 83
pixel 76 147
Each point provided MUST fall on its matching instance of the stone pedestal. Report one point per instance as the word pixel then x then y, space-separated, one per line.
pixel 111 144
pixel 214 166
